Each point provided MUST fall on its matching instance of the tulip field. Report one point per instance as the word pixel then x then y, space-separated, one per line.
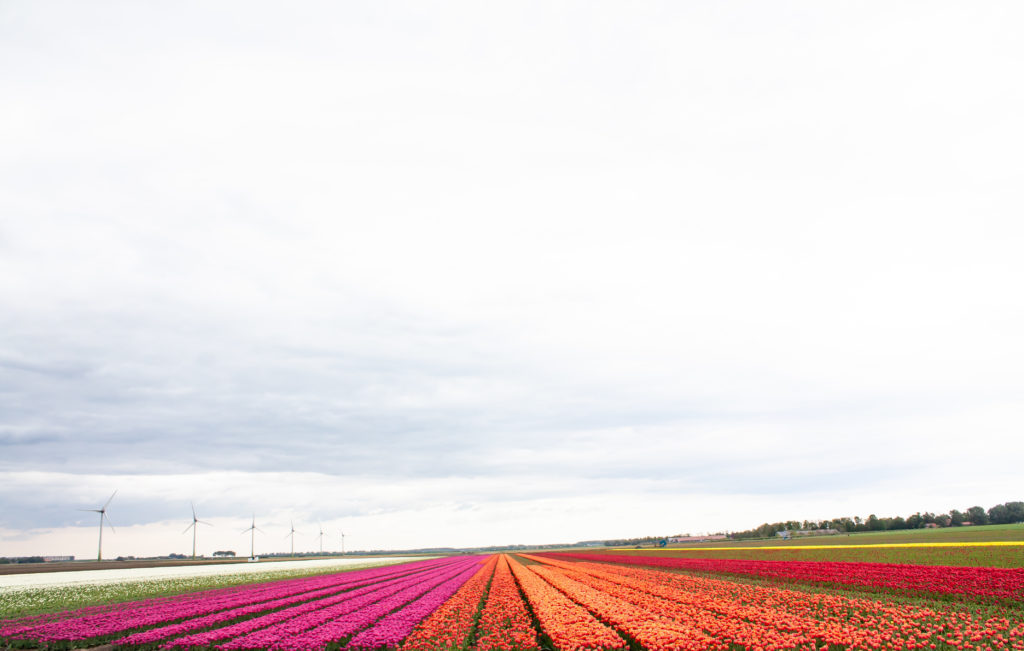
pixel 566 601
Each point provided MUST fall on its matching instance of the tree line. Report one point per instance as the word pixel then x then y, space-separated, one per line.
pixel 1008 513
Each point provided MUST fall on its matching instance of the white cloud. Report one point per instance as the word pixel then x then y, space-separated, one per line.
pixel 476 248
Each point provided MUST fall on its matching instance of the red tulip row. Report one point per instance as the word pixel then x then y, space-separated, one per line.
pixel 451 625
pixel 976 582
pixel 505 622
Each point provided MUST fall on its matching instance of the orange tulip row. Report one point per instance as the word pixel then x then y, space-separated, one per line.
pixel 869 623
pixel 451 625
pixel 569 625
pixel 650 629
pixel 769 617
pixel 505 622
pixel 723 628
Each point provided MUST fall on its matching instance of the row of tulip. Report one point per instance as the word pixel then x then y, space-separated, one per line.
pixel 569 625
pixel 201 609
pixel 721 627
pixel 650 629
pixel 388 632
pixel 998 583
pixel 718 620
pixel 734 614
pixel 256 632
pixel 276 608
pixel 452 624
pixel 21 625
pixel 338 629
pixel 505 622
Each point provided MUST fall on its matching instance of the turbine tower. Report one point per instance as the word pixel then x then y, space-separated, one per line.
pixel 194 527
pixel 342 542
pixel 321 537
pixel 252 543
pixel 292 534
pixel 103 516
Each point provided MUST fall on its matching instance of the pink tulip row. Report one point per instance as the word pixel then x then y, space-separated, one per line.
pixel 394 628
pixel 20 625
pixel 307 600
pixel 260 632
pixel 136 615
pixel 339 629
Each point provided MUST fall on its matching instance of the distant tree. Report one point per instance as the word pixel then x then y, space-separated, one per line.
pixel 956 518
pixel 874 524
pixel 915 521
pixel 999 514
pixel 1015 511
pixel 977 515
pixel 844 524
pixel 942 520
pixel 898 523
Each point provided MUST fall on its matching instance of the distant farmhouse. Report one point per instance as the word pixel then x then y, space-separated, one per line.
pixel 693 539
pixel 786 534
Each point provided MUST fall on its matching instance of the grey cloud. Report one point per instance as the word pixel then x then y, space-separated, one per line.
pixel 406 248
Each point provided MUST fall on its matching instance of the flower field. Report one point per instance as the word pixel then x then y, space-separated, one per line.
pixel 572 602
pixel 977 583
pixel 967 555
pixel 32 593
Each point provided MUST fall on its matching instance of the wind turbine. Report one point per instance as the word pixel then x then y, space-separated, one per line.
pixel 103 516
pixel 253 529
pixel 342 542
pixel 196 521
pixel 292 534
pixel 321 537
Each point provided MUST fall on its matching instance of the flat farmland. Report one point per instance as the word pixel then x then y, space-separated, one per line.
pixel 565 601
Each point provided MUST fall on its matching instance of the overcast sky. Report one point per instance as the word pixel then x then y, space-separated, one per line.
pixel 484 273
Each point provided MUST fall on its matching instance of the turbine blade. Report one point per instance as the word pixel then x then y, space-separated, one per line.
pixel 193 510
pixel 110 500
pixel 188 527
pixel 109 523
pixel 204 522
pixel 260 530
pixel 90 510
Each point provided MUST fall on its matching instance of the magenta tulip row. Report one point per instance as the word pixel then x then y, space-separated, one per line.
pixel 266 630
pixel 234 602
pixel 336 623
pixel 307 600
pixel 392 629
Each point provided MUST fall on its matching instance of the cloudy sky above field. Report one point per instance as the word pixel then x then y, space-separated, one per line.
pixel 484 273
